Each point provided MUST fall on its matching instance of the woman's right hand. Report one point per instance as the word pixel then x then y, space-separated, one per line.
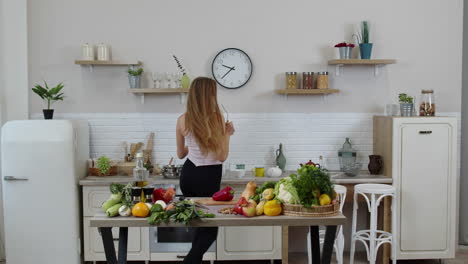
pixel 230 128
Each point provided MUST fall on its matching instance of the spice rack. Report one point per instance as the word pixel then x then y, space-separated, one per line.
pixel 376 63
pixel 161 91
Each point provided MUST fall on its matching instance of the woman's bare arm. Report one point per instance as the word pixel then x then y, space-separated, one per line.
pixel 223 153
pixel 182 150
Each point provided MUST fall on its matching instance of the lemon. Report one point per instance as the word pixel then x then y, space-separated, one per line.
pixel 324 199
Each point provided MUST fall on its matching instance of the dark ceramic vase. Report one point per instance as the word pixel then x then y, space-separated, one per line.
pixel 375 164
pixel 48 113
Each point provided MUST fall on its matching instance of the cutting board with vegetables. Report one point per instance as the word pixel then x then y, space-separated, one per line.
pixel 210 201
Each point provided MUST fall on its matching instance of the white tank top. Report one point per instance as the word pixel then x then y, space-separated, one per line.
pixel 195 154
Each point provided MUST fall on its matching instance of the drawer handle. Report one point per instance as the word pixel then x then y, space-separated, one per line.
pixel 181 256
pixel 425 132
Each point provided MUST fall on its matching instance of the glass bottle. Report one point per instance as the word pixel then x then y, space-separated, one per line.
pixel 427 105
pixel 347 155
pixel 140 173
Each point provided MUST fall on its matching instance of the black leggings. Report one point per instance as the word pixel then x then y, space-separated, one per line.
pixel 201 181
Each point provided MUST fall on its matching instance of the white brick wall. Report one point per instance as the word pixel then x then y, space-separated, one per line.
pixel 304 136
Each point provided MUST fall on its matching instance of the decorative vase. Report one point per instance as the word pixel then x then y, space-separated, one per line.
pixel 406 109
pixel 48 113
pixel 375 164
pixel 185 81
pixel 280 158
pixel 134 81
pixel 366 50
pixel 345 52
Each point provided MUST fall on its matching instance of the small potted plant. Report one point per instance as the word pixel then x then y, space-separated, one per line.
pixel 345 49
pixel 406 104
pixel 50 95
pixel 134 77
pixel 102 167
pixel 363 38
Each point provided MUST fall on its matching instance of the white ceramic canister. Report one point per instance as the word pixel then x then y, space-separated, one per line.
pixel 274 172
pixel 103 52
pixel 87 51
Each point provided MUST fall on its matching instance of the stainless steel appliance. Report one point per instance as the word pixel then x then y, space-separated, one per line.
pixel 176 240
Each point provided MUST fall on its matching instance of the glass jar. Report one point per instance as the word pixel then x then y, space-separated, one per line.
pixel 347 155
pixel 307 80
pixel 291 80
pixel 427 105
pixel 322 80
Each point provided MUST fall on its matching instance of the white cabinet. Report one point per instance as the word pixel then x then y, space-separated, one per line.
pixel 258 242
pixel 138 238
pixel 421 154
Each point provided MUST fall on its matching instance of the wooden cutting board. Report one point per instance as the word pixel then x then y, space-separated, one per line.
pixel 210 201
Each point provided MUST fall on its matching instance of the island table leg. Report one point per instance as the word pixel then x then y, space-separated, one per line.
pixel 123 243
pixel 330 235
pixel 285 244
pixel 108 242
pixel 315 244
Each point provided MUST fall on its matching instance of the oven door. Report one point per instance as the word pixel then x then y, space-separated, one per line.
pixel 173 239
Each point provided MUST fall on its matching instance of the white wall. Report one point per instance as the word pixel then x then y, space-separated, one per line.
pixel 424 35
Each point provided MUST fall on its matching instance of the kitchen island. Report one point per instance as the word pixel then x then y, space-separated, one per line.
pixel 105 225
pixel 95 190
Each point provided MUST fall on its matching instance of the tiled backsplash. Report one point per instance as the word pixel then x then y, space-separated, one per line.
pixel 304 136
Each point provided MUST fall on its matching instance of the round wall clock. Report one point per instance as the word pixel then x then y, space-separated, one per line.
pixel 232 68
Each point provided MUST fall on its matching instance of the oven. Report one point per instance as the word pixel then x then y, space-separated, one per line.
pixel 176 240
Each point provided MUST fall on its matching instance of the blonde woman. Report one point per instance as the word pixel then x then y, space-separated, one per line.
pixel 203 137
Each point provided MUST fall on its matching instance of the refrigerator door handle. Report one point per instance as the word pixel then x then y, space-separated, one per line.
pixel 13 178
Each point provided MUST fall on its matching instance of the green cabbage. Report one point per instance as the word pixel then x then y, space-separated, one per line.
pixel 286 192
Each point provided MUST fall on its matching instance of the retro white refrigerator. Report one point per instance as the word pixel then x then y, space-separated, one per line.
pixel 42 162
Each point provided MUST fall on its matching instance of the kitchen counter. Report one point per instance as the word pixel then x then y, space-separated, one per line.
pixel 337 177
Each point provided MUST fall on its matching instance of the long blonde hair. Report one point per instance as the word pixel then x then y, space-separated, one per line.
pixel 203 118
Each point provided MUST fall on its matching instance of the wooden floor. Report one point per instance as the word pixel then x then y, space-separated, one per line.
pixel 462 258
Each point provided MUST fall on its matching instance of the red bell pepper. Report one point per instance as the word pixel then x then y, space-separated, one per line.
pixel 158 194
pixel 226 194
pixel 240 204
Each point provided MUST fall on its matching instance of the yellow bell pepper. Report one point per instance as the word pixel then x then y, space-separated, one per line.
pixel 272 208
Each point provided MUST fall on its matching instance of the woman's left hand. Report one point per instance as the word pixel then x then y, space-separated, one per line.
pixel 230 128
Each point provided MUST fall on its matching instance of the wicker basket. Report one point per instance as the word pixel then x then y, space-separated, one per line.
pixel 96 172
pixel 300 210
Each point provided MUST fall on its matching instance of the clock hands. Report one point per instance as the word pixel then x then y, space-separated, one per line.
pixel 230 69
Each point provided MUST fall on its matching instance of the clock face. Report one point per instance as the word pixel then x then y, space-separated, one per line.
pixel 232 68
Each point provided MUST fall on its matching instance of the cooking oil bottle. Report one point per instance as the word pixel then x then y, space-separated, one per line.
pixel 140 173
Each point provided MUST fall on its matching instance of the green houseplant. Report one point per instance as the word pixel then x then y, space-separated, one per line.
pixel 134 77
pixel 185 81
pixel 365 46
pixel 50 95
pixel 406 104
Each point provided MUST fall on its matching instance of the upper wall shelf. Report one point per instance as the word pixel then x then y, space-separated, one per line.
pixel 143 91
pixel 108 63
pixel 375 63
pixel 92 63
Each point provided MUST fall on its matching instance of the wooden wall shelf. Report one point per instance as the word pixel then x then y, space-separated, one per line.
pixel 107 63
pixel 161 91
pixel 376 63
pixel 361 62
pixel 307 91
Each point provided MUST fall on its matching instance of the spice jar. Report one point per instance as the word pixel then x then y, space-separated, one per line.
pixel 291 80
pixel 427 105
pixel 307 80
pixel 322 80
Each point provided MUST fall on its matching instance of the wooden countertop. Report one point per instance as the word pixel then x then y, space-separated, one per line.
pixel 337 177
pixel 223 220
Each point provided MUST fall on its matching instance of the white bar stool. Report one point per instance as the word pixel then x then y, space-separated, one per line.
pixel 375 238
pixel 339 241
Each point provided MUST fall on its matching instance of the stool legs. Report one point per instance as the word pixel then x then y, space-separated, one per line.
pixel 353 229
pixel 394 231
pixel 373 229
